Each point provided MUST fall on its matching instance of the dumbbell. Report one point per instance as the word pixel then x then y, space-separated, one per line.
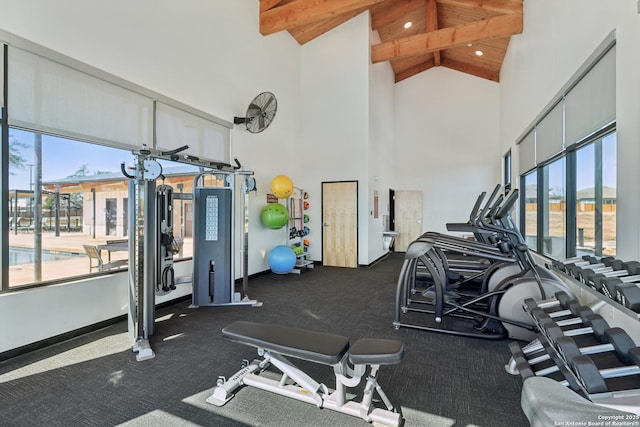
pixel 607 265
pixel 560 299
pixel 552 330
pixel 616 340
pixel 565 302
pixel 610 287
pixel 564 264
pixel 593 379
pixel 607 285
pixel 573 269
pixel 591 263
pixel 616 270
pixel 613 339
pixel 628 294
pixel 593 324
pixel 526 367
pixel 573 308
pixel 567 265
pixel 575 315
pixel 518 364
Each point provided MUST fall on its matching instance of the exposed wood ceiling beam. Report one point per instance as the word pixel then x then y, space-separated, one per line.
pixel 302 12
pixel 432 25
pixel 306 33
pixel 414 70
pixel 485 29
pixel 497 6
pixel 268 4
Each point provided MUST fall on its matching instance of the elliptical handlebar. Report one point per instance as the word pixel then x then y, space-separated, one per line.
pixel 496 206
pixel 476 207
pixel 480 219
pixel 508 204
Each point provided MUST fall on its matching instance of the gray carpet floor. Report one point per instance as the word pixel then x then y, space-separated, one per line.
pixel 94 379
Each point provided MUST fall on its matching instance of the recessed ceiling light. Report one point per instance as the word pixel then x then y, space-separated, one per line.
pixel 408 24
pixel 479 53
pixel 470 44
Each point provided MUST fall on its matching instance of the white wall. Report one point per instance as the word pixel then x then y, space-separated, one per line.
pixel 381 149
pixel 209 55
pixel 36 314
pixel 558 37
pixel 333 127
pixel 446 142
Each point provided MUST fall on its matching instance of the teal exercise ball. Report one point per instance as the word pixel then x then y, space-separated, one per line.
pixel 281 259
pixel 274 215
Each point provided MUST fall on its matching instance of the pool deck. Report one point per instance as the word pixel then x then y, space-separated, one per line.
pixel 67 242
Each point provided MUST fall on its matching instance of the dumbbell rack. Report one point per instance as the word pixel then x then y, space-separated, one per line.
pixel 595 361
pixel 296 215
pixel 617 280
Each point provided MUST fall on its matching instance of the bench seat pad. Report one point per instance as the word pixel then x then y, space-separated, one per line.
pixel 373 351
pixel 319 347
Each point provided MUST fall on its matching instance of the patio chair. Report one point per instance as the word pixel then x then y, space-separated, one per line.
pixel 12 224
pixel 24 228
pixel 45 224
pixel 94 255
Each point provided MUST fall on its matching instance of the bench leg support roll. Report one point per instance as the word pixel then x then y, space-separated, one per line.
pixel 224 391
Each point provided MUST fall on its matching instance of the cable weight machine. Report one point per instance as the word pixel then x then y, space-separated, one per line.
pixel 214 244
pixel 152 245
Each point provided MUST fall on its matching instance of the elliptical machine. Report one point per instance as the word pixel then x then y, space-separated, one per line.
pixel 494 313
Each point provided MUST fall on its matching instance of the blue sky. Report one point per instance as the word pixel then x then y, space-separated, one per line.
pixel 63 157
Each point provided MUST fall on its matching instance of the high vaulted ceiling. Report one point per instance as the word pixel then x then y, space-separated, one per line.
pixel 470 36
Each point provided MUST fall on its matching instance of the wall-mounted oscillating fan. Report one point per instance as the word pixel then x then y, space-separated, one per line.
pixel 260 113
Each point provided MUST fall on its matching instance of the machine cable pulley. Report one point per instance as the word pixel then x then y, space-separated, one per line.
pixel 146 202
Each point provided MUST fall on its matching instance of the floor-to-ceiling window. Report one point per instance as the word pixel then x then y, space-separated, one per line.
pixel 596 196
pixel 66 130
pixel 554 208
pixel 67 197
pixel 530 214
pixel 568 164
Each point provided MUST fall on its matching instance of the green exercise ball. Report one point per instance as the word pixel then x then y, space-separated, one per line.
pixel 274 215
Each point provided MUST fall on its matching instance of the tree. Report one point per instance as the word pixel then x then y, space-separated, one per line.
pixel 16 159
pixel 83 170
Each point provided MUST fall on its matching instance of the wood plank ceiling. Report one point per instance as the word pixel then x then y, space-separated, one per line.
pixel 470 36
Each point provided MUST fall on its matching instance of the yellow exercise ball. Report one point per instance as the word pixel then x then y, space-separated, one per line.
pixel 281 186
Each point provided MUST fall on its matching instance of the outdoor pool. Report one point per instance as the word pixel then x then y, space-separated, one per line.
pixel 19 256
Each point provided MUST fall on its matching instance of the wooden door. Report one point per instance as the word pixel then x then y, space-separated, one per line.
pixel 408 217
pixel 340 224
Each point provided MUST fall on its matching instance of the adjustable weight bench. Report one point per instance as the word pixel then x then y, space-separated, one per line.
pixel 349 363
